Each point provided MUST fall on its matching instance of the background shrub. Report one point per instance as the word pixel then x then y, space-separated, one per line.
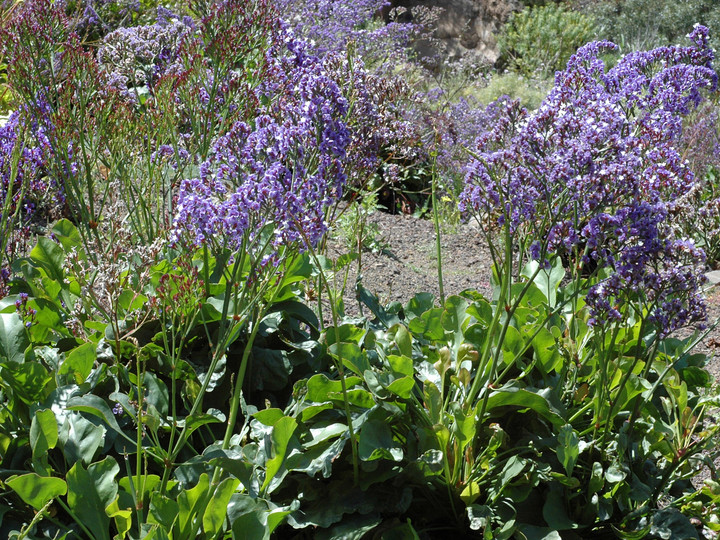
pixel 643 24
pixel 540 40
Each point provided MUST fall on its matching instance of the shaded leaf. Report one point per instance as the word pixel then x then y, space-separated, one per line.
pixel 37 490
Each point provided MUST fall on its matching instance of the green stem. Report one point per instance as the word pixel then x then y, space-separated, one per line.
pixel 436 220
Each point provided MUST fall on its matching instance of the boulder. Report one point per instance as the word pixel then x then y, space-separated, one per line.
pixel 464 28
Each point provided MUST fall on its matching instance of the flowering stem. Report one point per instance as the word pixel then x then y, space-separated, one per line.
pixel 504 288
pixel 436 221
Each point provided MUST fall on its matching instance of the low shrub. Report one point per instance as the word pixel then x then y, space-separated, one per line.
pixel 540 40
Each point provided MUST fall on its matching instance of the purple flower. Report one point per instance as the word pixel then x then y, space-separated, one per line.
pixel 593 174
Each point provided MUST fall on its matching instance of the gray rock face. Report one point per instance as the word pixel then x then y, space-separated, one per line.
pixel 466 28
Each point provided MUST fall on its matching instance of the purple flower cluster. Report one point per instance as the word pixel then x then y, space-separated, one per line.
pixel 26 180
pixel 284 166
pixel 330 25
pixel 593 174
pixel 378 121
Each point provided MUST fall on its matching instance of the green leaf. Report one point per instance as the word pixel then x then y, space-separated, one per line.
pixel 402 387
pixel 670 523
pixel 351 356
pixel 37 490
pixel 376 442
pixel 525 398
pixel 419 304
pixel 428 325
pixel 67 234
pixel 319 458
pixel 433 402
pixel 30 381
pixel 282 432
pixel 268 417
pixel 95 406
pixel 402 338
pixel 400 364
pixel 464 425
pixel 568 448
pixel 253 520
pixel 121 516
pixel 13 337
pixel 554 510
pixel 79 438
pixel 191 507
pixel 320 386
pixel 50 257
pixel 546 280
pixel 217 507
pixel 43 432
pixel 163 511
pixel 90 492
pixel 79 362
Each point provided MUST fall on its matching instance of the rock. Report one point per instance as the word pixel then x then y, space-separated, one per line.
pixel 464 28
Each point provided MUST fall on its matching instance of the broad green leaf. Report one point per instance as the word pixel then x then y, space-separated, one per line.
pixel 319 387
pixel 428 324
pixel 470 493
pixel 419 304
pixel 13 337
pixel 90 492
pixel 401 364
pixel 402 338
pixel 568 448
pixel 526 399
pixel 555 512
pixel 546 351
pixel 433 402
pixel 79 362
pixel 533 532
pixel 351 356
pixel 670 523
pixel 121 516
pixel 79 438
pixel 191 507
pixel 191 423
pixel 43 432
pixel 319 458
pixel 376 442
pixel 163 511
pixel 282 432
pixel 67 234
pixel 371 301
pixel 217 507
pixel 547 281
pixel 453 317
pixel 402 387
pixel 37 490
pixel 252 519
pixel 96 406
pixel 358 396
pixel 463 426
pixel 50 257
pixel 351 527
pixel 268 417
